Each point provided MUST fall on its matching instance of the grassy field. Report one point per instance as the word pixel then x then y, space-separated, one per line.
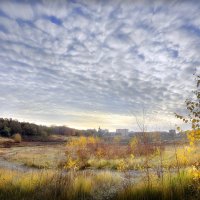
pixel 36 154
pixel 172 173
pixel 51 156
pixel 46 156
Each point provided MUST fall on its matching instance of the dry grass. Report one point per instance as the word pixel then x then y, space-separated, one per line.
pixel 93 184
pixel 5 139
pixel 113 156
pixel 50 156
pixel 58 185
pixel 47 156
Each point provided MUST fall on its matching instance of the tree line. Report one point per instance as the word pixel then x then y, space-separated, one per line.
pixel 9 127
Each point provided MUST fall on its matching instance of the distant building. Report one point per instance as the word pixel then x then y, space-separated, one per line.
pixel 103 131
pixel 123 132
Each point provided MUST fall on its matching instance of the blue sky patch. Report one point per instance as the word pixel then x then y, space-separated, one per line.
pixel 55 20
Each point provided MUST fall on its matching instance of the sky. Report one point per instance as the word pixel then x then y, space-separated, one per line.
pixel 86 63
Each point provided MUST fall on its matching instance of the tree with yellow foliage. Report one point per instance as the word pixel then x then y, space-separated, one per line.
pixel 193 116
pixel 79 150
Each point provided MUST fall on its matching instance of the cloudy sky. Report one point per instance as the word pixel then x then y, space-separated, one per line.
pixel 85 63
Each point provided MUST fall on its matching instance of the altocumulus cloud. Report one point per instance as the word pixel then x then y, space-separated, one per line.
pixel 86 63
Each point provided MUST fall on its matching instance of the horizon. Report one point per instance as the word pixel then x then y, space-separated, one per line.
pixel 104 128
pixel 85 64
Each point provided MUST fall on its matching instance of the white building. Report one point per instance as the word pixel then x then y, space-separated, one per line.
pixel 123 132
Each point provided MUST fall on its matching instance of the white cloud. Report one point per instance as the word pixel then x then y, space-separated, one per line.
pixel 112 57
pixel 17 10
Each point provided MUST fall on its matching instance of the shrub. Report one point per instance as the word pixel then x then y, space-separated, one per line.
pixel 17 137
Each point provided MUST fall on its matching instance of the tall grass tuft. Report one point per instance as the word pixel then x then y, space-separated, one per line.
pixel 51 185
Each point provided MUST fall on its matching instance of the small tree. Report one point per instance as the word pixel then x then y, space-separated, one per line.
pixel 17 137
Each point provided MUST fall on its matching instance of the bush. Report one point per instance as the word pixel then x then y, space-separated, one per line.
pixel 17 138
